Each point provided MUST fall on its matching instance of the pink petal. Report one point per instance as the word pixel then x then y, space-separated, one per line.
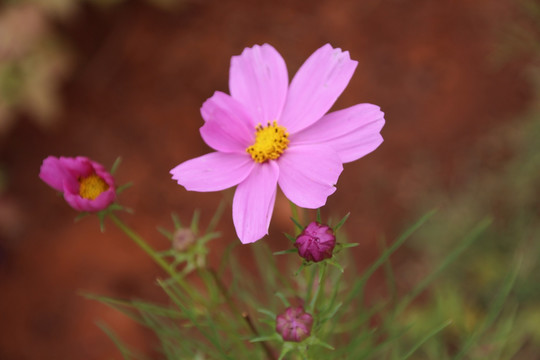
pixel 213 172
pixel 53 173
pixel 107 177
pixel 103 173
pixel 308 173
pixel 227 127
pixel 81 204
pixel 254 202
pixel 63 174
pixel 352 132
pixel 316 86
pixel 77 167
pixel 259 80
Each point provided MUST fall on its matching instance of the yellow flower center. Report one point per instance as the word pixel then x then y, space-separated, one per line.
pixel 270 142
pixel 92 186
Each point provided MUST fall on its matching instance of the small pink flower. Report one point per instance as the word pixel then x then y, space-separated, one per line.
pixel 294 324
pixel 86 185
pixel 269 133
pixel 316 242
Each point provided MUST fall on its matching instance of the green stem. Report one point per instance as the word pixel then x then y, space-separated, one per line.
pixel 322 278
pixel 237 312
pixel 143 245
pixel 169 269
pixel 294 214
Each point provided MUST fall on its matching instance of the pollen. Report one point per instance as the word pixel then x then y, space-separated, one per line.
pixel 270 142
pixel 92 186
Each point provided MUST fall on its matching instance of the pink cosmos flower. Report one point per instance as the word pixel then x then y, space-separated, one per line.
pixel 269 133
pixel 85 184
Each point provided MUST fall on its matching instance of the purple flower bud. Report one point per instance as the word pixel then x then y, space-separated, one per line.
pixel 316 242
pixel 294 324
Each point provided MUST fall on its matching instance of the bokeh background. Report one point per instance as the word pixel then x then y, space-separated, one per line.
pixel 126 78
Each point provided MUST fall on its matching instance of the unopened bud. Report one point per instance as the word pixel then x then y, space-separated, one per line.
pixel 316 242
pixel 294 324
pixel 183 239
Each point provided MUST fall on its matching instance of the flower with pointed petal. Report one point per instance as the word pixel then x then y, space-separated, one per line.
pixel 268 133
pixel 85 184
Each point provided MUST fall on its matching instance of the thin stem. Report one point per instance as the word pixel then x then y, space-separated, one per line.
pixel 265 346
pixel 294 212
pixel 215 219
pixel 142 244
pixel 244 314
pixel 148 249
pixel 322 278
pixel 223 291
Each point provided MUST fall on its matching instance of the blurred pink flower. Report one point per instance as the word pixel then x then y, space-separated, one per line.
pixel 85 184
pixel 268 133
pixel 316 242
pixel 294 324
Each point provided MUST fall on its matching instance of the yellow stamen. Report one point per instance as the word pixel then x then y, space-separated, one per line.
pixel 270 142
pixel 92 186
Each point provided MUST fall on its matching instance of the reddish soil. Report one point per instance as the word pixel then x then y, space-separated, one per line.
pixel 140 77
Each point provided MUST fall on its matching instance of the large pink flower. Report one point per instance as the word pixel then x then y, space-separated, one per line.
pixel 86 185
pixel 268 133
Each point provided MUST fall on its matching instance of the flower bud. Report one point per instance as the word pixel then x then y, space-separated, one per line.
pixel 294 324
pixel 316 242
pixel 183 239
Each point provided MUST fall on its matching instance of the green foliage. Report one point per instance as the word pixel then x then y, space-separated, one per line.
pixel 505 260
pixel 509 190
pixel 477 298
pixel 206 319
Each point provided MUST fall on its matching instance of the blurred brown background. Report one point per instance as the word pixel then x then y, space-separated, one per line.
pixel 128 79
